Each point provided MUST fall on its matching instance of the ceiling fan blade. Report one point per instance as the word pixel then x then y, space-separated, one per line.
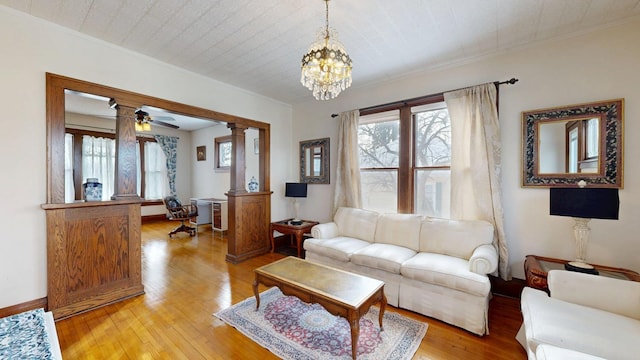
pixel 162 123
pixel 162 118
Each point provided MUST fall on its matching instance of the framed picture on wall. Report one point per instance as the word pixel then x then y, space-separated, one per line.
pixel 201 153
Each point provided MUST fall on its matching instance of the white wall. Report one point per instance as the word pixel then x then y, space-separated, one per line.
pixel 600 65
pixel 30 47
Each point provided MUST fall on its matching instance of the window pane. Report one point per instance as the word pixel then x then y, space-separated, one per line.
pixel 98 161
pixel 432 192
pixel 433 138
pixel 380 190
pixel 378 144
pixel 156 182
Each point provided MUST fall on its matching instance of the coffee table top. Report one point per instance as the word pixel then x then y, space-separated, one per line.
pixel 348 288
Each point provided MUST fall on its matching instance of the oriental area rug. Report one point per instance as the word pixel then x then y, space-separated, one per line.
pixel 292 329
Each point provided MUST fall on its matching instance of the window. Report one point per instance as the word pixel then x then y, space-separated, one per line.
pixel 223 152
pixel 90 154
pixel 378 143
pixel 405 158
pixel 432 158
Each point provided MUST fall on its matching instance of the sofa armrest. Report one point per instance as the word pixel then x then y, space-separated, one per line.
pixel 325 231
pixel 613 295
pixel 484 260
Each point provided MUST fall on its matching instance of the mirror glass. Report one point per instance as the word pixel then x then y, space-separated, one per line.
pixel 563 146
pixel 570 147
pixel 314 161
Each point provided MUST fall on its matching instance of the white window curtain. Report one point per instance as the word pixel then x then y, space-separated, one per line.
pixel 69 187
pixel 98 161
pixel 348 191
pixel 476 162
pixel 155 163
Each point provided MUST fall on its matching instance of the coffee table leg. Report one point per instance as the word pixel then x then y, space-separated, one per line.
pixel 383 306
pixel 355 334
pixel 256 293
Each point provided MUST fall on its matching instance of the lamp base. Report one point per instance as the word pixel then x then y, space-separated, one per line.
pixel 296 221
pixel 580 267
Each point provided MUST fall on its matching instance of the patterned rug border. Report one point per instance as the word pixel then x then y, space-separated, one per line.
pixel 288 349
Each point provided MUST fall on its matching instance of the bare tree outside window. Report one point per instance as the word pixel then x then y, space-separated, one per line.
pixel 379 145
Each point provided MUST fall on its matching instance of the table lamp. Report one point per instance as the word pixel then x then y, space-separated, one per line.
pixel 295 190
pixel 583 204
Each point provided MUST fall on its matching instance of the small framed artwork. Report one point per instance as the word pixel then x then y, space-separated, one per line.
pixel 256 146
pixel 201 153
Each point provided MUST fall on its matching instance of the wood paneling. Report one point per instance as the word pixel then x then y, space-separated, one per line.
pixel 93 255
pixel 249 215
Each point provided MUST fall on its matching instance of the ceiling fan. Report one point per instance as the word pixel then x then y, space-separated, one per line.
pixel 144 121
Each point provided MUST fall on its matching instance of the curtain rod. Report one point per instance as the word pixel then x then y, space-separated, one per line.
pixel 404 102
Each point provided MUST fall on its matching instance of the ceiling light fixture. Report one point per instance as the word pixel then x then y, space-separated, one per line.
pixel 142 121
pixel 326 68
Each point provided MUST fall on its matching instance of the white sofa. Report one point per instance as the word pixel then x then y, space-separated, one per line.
pixel 436 267
pixel 586 317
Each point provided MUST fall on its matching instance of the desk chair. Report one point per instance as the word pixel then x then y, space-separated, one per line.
pixel 177 211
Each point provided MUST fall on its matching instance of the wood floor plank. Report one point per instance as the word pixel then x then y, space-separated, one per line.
pixel 187 280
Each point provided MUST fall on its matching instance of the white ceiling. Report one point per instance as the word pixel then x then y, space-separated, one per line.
pixel 258 44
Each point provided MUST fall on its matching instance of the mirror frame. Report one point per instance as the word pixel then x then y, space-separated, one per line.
pixel 610 174
pixel 324 144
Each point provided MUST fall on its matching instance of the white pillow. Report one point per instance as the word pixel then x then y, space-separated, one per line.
pixel 457 238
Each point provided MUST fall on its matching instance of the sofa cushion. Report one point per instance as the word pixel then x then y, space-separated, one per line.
pixel 339 248
pixel 399 229
pixel 447 271
pixel 454 237
pixel 576 327
pixel 383 257
pixel 356 223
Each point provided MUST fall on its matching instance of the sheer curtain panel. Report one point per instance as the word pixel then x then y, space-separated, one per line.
pixel 348 192
pixel 476 162
pixel 98 161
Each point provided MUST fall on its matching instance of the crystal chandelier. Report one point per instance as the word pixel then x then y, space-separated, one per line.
pixel 326 68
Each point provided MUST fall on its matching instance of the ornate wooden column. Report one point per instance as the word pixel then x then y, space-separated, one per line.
pixel 238 163
pixel 126 177
pixel 249 213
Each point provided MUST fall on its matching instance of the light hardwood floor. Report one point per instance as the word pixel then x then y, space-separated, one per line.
pixel 187 279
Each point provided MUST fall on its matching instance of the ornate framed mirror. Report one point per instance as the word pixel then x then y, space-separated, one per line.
pixel 314 161
pixel 565 145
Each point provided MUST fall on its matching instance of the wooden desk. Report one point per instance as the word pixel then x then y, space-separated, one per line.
pixel 536 269
pixel 285 227
pixel 339 292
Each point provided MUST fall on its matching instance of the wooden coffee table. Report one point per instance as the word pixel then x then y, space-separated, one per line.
pixel 339 292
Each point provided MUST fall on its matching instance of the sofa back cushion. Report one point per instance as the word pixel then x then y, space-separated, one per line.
pixel 356 223
pixel 399 229
pixel 457 238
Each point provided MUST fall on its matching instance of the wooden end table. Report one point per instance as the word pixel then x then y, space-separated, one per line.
pixel 286 228
pixel 536 269
pixel 340 292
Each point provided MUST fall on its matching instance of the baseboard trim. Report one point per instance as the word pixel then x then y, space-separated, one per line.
pixel 153 218
pixel 25 306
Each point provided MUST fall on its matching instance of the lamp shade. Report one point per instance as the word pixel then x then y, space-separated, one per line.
pixel 590 203
pixel 295 190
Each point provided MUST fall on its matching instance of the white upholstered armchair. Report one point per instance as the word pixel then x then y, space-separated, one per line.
pixel 586 317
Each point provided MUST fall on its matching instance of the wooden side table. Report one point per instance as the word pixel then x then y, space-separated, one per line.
pixel 285 227
pixel 536 269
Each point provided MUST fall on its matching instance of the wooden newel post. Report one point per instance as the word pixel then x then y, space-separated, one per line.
pixel 126 176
